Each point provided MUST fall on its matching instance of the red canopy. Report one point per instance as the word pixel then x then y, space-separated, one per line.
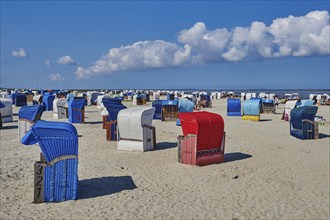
pixel 209 128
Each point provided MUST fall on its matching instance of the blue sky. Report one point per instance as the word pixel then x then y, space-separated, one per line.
pixel 176 44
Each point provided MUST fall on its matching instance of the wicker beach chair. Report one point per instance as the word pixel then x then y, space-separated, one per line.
pixel 252 109
pixel 60 108
pixel 76 110
pixel 203 140
pixel 233 107
pixel 48 99
pixel 135 130
pixel 302 124
pixel 56 174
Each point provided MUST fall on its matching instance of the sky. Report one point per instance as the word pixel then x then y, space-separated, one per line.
pixel 165 44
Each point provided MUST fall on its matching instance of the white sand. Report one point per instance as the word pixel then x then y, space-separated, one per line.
pixel 277 176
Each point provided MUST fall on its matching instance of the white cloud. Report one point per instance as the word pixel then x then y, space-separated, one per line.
pixel 291 36
pixel 66 60
pixel 55 77
pixel 47 62
pixel 19 53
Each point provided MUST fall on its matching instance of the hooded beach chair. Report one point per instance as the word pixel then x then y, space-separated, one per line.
pixel 109 103
pixel 94 96
pixel 110 120
pixel 48 99
pixel 205 100
pixel 27 116
pixel 2 105
pixel 289 105
pixel 56 174
pixel 20 100
pixel 268 106
pixel 233 107
pixel 6 112
pixel 135 130
pixel 302 123
pixel 203 140
pixel 60 108
pixel 76 110
pixel 185 105
pixel 252 109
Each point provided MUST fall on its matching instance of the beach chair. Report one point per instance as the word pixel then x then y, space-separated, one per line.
pixel 203 140
pixel 185 105
pixel 20 100
pixel 170 109
pixel 302 124
pixel 268 106
pixel 56 174
pixel 27 116
pixel 111 121
pixel 76 110
pixel 94 96
pixel 7 110
pixel 60 108
pixel 113 105
pixel 48 99
pixel 205 100
pixel 233 107
pixel 252 109
pixel 135 130
pixel 289 105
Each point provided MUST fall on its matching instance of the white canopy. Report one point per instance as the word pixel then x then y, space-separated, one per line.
pixel 135 130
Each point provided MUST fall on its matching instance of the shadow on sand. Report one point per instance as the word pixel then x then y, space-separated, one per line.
pixel 263 120
pixel 165 145
pixel 4 127
pixel 95 187
pixel 321 136
pixel 230 157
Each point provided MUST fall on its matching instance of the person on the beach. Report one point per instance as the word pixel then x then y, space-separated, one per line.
pixel 276 101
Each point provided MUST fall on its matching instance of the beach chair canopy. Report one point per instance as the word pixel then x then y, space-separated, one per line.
pixel 233 106
pixel 209 128
pixel 252 106
pixel 54 138
pixel 69 96
pixel 304 112
pixel 21 99
pixel 205 97
pixel 48 99
pixel 186 105
pixel 30 112
pixel 107 101
pixel 157 104
pixel 131 120
pixel 308 102
pixel 94 97
pixel 76 103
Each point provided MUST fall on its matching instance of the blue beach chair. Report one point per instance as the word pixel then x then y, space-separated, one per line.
pixel 56 174
pixel 27 116
pixel 302 123
pixel 233 107
pixel 76 110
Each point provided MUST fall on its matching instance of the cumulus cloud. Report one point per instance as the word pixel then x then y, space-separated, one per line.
pixel 47 62
pixel 19 53
pixel 66 60
pixel 290 36
pixel 55 77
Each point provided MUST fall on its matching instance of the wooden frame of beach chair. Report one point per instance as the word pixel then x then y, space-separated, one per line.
pixel 189 154
pixel 111 130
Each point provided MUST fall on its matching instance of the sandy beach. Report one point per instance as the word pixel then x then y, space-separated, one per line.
pixel 267 174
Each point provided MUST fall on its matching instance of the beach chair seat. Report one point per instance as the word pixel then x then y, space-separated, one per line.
pixel 56 174
pixel 135 130
pixel 252 109
pixel 233 107
pixel 27 116
pixel 302 124
pixel 203 139
pixel 170 109
pixel 76 110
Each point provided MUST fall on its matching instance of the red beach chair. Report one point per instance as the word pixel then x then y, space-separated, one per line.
pixel 203 140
